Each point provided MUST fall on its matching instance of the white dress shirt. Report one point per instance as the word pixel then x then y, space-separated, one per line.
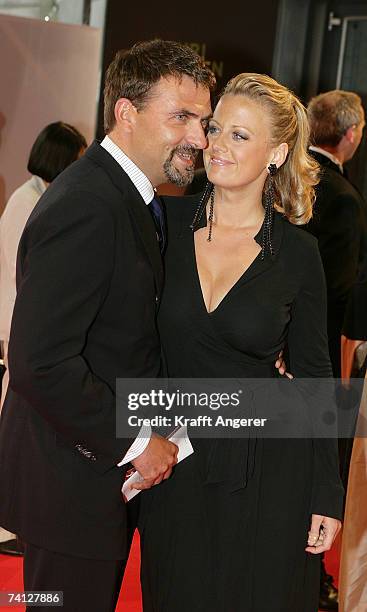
pixel 146 190
pixel 328 155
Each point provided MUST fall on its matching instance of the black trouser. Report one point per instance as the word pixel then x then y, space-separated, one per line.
pixel 88 585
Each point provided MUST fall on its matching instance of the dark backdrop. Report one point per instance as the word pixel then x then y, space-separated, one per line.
pixel 237 37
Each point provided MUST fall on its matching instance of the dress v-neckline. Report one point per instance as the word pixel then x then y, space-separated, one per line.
pixel 230 290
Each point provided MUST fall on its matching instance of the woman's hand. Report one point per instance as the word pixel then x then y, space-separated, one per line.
pixel 348 349
pixel 322 533
pixel 281 366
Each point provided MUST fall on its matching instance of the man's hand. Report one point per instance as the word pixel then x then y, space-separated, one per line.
pixel 156 462
pixel 322 534
pixel 281 366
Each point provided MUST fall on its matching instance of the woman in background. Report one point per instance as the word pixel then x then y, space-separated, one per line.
pixel 55 148
pixel 239 524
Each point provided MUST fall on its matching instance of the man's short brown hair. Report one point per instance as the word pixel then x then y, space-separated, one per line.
pixel 133 72
pixel 330 114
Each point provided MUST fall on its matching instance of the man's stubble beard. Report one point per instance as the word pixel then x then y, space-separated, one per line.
pixel 176 177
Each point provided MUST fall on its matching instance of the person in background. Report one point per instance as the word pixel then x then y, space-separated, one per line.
pixel 339 223
pixel 55 148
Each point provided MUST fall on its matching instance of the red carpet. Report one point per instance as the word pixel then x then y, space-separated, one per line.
pixel 130 601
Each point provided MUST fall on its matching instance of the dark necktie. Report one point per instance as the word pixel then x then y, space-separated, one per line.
pixel 157 213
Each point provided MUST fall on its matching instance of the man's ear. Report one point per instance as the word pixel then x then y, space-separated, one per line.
pixel 124 112
pixel 350 134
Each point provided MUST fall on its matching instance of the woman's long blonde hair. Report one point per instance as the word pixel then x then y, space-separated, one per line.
pixel 295 180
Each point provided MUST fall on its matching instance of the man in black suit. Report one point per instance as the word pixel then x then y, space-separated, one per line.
pixel 89 280
pixel 339 220
pixel 339 223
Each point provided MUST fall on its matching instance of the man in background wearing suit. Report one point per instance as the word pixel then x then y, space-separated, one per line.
pixel 339 218
pixel 339 223
pixel 89 280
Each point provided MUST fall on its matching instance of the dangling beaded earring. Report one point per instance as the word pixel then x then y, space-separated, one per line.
pixel 211 215
pixel 208 193
pixel 269 196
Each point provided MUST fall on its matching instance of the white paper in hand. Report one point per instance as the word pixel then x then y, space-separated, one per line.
pixel 180 438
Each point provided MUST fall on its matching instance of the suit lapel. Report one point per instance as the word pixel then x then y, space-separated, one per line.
pixel 138 210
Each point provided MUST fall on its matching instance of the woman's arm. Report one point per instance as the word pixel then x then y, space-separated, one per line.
pixel 309 358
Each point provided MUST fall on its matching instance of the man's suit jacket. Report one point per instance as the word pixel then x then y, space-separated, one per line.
pixel 339 224
pixel 89 278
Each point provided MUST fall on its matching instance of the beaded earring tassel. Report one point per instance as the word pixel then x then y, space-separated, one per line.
pixel 269 213
pixel 209 189
pixel 211 216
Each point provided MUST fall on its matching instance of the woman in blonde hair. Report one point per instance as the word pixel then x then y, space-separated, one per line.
pixel 240 523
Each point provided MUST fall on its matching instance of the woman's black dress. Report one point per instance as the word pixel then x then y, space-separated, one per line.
pixel 209 546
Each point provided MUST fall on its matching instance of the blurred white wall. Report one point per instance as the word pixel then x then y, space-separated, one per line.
pixel 49 71
pixel 66 11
